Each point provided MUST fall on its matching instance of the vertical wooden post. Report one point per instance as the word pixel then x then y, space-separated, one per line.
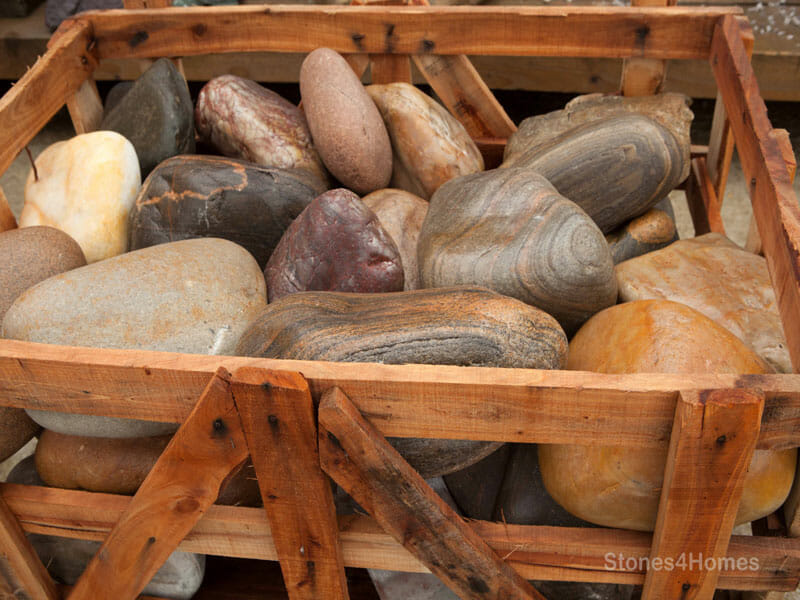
pixel 22 559
pixel 390 68
pixel 644 76
pixel 7 220
pixel 277 414
pixel 704 204
pixel 85 108
pixel 183 484
pixel 711 446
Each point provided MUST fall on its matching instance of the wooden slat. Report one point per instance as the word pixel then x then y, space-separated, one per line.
pixel 622 32
pixel 366 466
pixel 774 202
pixel 147 3
pixel 7 219
pixel 390 68
pixel 710 450
pixel 21 558
pixel 704 205
pixel 44 89
pixel 184 482
pixel 86 108
pixel 277 415
pixel 400 400
pixel 644 76
pixel 552 553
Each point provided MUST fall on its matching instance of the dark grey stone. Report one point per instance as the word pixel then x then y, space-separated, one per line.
pixel 57 10
pixel 17 8
pixel 115 94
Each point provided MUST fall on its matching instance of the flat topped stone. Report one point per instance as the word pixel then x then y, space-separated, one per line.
pixel 430 146
pixel 210 196
pixel 195 296
pixel 717 278
pixel 156 114
pixel 86 187
pixel 336 244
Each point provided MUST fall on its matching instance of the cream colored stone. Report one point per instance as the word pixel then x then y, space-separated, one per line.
pixel 86 187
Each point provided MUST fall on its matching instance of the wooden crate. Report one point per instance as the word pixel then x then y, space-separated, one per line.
pixel 304 421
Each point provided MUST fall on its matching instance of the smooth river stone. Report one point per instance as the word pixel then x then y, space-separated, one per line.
pixel 336 244
pixel 670 110
pixel 511 231
pixel 717 278
pixel 615 168
pixel 401 214
pixel 156 115
pixel 457 326
pixel 86 188
pixel 654 230
pixel 194 296
pixel 430 146
pixel 210 196
pixel 615 487
pixel 345 124
pixel 244 120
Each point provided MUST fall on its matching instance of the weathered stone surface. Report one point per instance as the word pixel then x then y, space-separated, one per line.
pixel 614 168
pixel 156 115
pixel 669 110
pixel 86 187
pixel 346 127
pixel 194 296
pixel 336 244
pixel 614 487
pixel 717 278
pixel 654 230
pixel 430 146
pixel 511 231
pixel 401 214
pixel 244 120
pixel 210 196
pixel 457 326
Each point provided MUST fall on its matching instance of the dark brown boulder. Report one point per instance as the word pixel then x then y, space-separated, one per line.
pixel 211 196
pixel 336 244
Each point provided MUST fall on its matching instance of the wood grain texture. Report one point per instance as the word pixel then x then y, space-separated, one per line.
pixel 673 32
pixel 7 219
pixel 704 204
pixel 86 108
pixel 536 552
pixel 552 405
pixel 360 460
pixel 184 482
pixel 710 449
pixel 277 415
pixel 390 68
pixel 18 554
pixel 511 231
pixel 44 89
pixel 643 76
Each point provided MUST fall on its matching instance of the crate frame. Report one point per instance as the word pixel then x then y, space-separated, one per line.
pixel 321 402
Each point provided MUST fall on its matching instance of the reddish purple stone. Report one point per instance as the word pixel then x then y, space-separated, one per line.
pixel 336 244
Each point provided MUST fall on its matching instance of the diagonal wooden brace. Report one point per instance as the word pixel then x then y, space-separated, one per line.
pixel 182 485
pixel 360 460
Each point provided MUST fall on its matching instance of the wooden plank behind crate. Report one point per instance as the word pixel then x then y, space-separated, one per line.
pixel 401 400
pixel 554 553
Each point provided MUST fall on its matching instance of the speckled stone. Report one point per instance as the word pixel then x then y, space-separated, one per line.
pixel 156 115
pixel 244 120
pixel 210 196
pixel 86 188
pixel 194 296
pixel 401 214
pixel 336 244
pixel 717 278
pixel 345 124
pixel 430 146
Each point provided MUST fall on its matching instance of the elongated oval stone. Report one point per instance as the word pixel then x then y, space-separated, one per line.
pixel 430 146
pixel 156 115
pixel 244 120
pixel 614 487
pixel 511 231
pixel 86 187
pixel 615 168
pixel 209 196
pixel 456 326
pixel 346 127
pixel 194 296
pixel 336 244
pixel 401 214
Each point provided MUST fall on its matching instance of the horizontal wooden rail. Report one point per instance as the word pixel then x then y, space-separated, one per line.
pixel 610 32
pixel 546 553
pixel 521 405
